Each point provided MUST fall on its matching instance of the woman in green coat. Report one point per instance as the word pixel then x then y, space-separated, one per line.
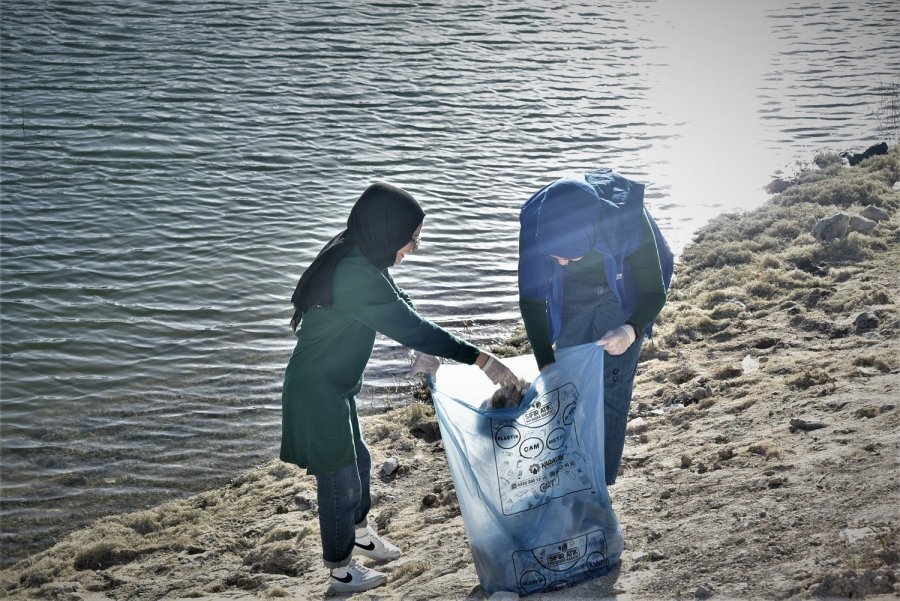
pixel 342 299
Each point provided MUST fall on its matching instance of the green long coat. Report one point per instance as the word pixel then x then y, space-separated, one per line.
pixel 319 424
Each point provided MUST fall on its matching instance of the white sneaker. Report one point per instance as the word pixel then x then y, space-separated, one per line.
pixel 353 578
pixel 371 545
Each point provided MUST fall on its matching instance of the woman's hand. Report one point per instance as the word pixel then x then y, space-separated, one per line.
pixel 498 373
pixel 617 341
pixel 425 364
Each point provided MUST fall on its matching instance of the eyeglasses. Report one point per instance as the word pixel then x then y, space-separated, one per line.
pixel 416 242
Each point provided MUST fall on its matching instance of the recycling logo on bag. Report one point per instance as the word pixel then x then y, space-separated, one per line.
pixel 537 454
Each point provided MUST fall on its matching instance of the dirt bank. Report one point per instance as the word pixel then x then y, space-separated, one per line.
pixel 762 458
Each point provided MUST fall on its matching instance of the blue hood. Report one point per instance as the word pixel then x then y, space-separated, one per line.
pixel 567 219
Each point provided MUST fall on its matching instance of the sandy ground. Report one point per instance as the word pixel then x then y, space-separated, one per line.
pixel 720 496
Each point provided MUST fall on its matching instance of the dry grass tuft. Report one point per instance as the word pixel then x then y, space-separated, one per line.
pixel 103 555
pixel 879 362
pixel 727 372
pixel 409 571
pixel 517 344
pixel 418 412
pixel 810 378
pixel 143 522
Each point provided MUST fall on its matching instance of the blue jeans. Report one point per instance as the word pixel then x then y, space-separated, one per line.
pixel 344 503
pixel 589 311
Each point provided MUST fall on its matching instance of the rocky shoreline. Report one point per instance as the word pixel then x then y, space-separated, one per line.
pixel 763 456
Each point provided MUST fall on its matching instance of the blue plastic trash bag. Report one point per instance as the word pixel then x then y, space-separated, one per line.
pixel 530 480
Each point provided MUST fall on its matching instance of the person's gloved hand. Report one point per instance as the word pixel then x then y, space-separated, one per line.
pixel 617 341
pixel 424 364
pixel 498 373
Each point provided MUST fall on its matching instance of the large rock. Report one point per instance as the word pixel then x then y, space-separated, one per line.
pixel 875 213
pixel 855 158
pixel 832 228
pixel 865 321
pixel 861 224
pixel 779 185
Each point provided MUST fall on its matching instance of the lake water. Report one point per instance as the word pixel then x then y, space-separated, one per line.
pixel 169 168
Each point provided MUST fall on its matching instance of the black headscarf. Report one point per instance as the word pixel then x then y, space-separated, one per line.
pixel 381 222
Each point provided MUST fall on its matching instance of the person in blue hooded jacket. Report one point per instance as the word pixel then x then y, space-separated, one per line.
pixel 593 267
